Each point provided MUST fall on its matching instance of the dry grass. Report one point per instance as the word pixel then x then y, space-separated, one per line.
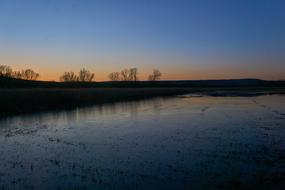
pixel 33 99
pixel 24 100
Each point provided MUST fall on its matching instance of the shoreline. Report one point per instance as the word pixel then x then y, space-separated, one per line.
pixel 16 101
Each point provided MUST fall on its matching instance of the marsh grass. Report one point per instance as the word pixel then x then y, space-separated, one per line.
pixel 23 96
pixel 34 99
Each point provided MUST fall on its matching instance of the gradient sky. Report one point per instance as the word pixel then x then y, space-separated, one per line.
pixel 194 39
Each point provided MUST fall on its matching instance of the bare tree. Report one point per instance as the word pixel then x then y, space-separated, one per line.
pixel 156 75
pixel 133 74
pixel 68 77
pixel 17 74
pixel 115 76
pixel 125 75
pixel 5 71
pixel 129 74
pixel 29 74
pixel 85 75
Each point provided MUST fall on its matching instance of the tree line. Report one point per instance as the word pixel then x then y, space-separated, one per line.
pixel 132 75
pixel 26 74
pixel 124 75
pixel 83 75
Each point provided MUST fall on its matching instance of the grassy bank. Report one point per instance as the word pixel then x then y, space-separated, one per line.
pixel 26 100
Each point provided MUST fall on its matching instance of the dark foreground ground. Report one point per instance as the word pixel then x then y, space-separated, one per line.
pixel 27 100
pixel 22 100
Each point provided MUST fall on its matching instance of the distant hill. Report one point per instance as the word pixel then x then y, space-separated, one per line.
pixel 19 83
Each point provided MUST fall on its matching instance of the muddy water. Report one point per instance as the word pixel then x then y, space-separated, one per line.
pixel 182 142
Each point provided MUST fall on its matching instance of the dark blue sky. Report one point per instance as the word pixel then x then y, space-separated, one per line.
pixel 193 28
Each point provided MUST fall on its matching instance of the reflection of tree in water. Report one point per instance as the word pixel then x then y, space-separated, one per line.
pixel 67 117
pixel 133 108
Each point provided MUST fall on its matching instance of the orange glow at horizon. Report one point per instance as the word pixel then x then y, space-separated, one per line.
pixel 47 74
pixel 51 67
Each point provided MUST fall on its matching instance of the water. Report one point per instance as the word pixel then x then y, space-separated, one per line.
pixel 184 142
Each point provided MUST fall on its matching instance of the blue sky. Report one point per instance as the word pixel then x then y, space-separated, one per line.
pixel 194 31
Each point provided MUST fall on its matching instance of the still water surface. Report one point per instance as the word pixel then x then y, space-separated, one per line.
pixel 182 142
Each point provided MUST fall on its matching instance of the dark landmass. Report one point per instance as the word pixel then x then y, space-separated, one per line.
pixel 24 100
pixel 23 96
pixel 19 83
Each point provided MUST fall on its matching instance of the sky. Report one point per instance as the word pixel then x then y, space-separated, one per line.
pixel 184 39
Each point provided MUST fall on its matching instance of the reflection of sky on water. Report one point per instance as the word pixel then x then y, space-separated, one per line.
pixel 173 143
pixel 122 109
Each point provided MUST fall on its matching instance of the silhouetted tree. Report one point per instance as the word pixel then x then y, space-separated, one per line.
pixel 29 74
pixel 17 74
pixel 68 77
pixel 125 75
pixel 133 74
pixel 115 76
pixel 5 71
pixel 156 75
pixel 85 75
pixel 129 74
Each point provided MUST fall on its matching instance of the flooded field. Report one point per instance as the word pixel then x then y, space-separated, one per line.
pixel 184 142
